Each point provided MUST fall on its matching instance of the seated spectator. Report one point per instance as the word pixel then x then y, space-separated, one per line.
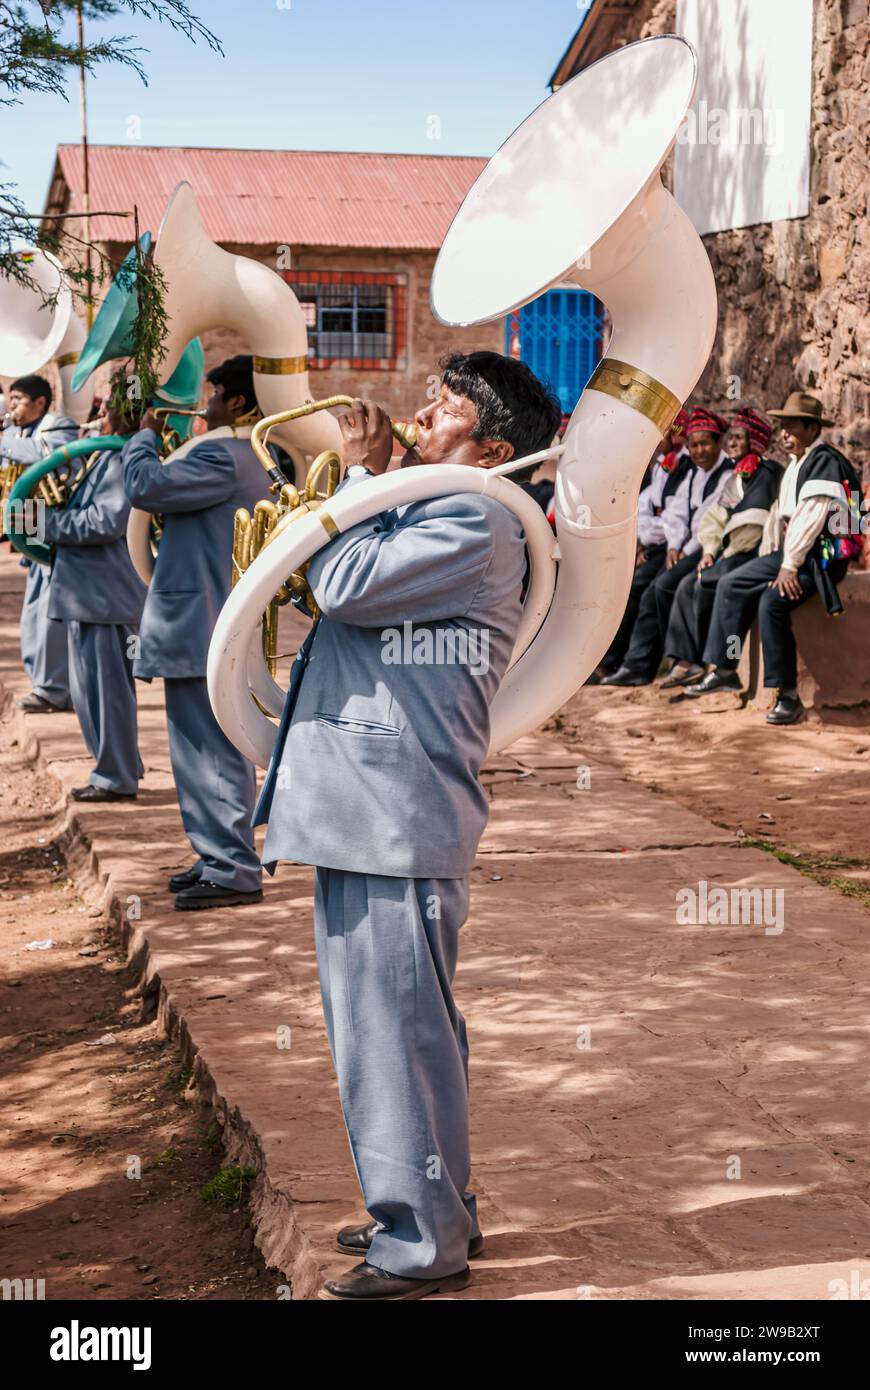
pixel 666 472
pixel 730 534
pixel 799 556
pixel 709 470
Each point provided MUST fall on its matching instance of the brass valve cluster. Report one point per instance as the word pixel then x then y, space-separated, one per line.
pixel 251 535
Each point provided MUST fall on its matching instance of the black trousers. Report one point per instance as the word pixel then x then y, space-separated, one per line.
pixel 648 637
pixel 693 607
pixel 643 576
pixel 745 592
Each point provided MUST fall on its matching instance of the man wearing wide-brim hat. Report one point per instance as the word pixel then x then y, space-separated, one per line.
pixel 802 552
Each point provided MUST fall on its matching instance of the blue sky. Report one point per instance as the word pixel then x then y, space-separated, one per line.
pixel 311 74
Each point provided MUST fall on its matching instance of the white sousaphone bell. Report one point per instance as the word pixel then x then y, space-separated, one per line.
pixel 206 288
pixel 38 324
pixel 573 196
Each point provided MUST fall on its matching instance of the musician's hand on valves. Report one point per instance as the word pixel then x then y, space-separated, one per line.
pixel 366 437
pixel 150 421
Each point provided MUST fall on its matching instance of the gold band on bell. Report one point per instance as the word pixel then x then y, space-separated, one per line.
pixel 327 522
pixel 68 359
pixel 637 389
pixel 280 366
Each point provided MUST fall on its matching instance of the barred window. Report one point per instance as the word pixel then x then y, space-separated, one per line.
pixel 353 317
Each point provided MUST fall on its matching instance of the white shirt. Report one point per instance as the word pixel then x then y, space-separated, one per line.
pixel 685 507
pixel 650 530
pixel 788 486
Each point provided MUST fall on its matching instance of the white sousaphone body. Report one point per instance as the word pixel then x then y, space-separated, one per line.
pixel 34 333
pixel 207 287
pixel 574 196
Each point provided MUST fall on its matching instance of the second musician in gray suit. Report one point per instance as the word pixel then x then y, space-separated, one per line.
pixel 375 781
pixel 197 496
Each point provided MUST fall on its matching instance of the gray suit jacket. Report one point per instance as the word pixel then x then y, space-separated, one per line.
pixel 29 443
pixel 385 728
pixel 197 497
pixel 92 575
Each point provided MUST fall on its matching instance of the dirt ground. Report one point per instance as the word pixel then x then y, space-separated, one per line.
pixel 93 1094
pixel 802 791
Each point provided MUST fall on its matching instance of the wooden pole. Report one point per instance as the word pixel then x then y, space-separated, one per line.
pixel 86 179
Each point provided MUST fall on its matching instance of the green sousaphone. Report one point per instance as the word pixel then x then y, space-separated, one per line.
pixel 50 483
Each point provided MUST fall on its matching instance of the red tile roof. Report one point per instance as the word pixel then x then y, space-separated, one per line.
pixel 275 197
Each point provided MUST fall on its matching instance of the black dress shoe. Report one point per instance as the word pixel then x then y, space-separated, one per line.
pixel 204 894
pixel 187 879
pixel 713 681
pixel 787 710
pixel 35 704
pixel 366 1281
pixel 685 677
pixel 90 793
pixel 355 1240
pixel 625 676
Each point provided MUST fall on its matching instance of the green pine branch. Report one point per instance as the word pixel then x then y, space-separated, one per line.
pixel 38 55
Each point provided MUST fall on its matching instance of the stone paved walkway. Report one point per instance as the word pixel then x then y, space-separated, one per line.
pixel 658 1109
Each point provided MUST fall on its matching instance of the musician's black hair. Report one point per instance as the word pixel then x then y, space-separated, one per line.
pixel 512 404
pixel 236 376
pixel 34 387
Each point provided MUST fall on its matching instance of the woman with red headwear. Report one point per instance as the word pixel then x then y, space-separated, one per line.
pixel 709 471
pixel 730 533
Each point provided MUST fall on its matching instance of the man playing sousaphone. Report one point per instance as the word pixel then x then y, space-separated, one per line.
pixel 197 496
pixel 374 781
pixel 96 601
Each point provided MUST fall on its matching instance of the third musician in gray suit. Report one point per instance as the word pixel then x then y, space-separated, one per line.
pixel 96 600
pixel 375 782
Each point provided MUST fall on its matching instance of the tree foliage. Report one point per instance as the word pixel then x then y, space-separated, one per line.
pixel 38 47
pixel 39 52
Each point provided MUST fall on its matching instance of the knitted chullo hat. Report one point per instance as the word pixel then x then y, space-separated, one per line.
pixel 758 429
pixel 706 421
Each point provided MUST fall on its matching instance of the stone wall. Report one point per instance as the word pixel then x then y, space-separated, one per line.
pixel 793 294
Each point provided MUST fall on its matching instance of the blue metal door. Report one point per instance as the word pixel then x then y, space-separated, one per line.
pixel 559 336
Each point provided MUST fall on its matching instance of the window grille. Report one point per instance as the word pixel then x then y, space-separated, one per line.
pixel 354 318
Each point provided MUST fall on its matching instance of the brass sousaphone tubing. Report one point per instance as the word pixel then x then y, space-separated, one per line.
pixel 405 433
pixel 251 534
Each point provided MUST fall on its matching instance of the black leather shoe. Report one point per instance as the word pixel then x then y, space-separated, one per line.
pixel 355 1240
pixel 35 704
pixel 366 1281
pixel 687 676
pixel 187 879
pixel 204 894
pixel 90 793
pixel 625 676
pixel 787 710
pixel 713 682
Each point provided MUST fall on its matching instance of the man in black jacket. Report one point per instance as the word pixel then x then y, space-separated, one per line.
pixel 801 559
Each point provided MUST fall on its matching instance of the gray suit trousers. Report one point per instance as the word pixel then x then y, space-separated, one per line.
pixel 386 953
pixel 216 787
pixel 104 698
pixel 43 642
